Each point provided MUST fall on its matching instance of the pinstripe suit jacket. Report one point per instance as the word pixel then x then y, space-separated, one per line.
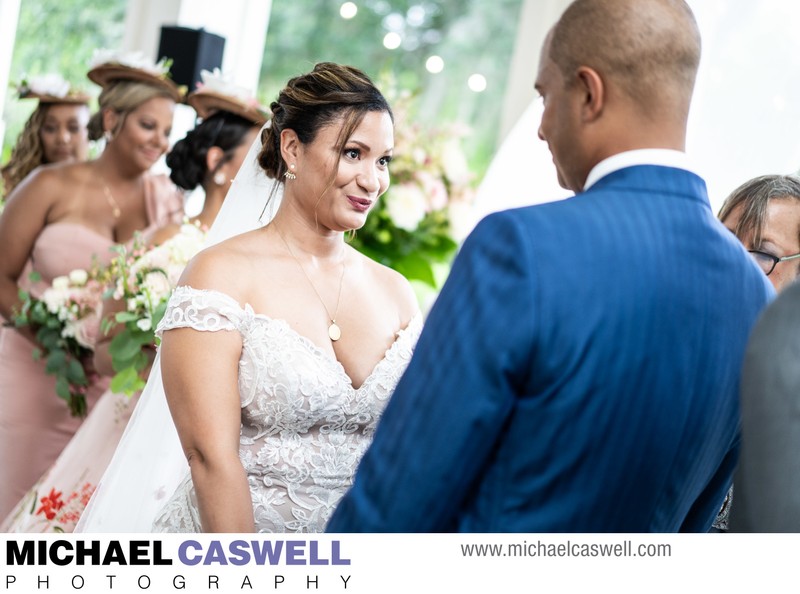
pixel 578 373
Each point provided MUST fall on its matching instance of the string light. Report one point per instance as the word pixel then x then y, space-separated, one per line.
pixel 477 83
pixel 434 64
pixel 348 10
pixel 392 40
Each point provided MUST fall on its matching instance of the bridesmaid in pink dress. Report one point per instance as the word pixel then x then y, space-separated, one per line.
pixel 54 133
pixel 58 219
pixel 209 156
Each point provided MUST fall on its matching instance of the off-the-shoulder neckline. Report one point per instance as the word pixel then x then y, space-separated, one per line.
pixel 411 328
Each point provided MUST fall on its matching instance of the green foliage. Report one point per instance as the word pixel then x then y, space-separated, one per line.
pixel 129 349
pixel 471 37
pixel 62 355
pixel 412 254
pixel 143 280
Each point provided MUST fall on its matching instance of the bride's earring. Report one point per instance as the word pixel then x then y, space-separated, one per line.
pixel 107 136
pixel 290 174
pixel 219 178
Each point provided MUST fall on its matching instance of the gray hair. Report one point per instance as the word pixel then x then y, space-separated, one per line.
pixel 755 195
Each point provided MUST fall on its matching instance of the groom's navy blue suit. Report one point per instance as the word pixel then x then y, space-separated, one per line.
pixel 579 372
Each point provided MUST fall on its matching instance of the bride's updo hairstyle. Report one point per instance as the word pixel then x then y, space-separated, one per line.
pixel 187 159
pixel 312 101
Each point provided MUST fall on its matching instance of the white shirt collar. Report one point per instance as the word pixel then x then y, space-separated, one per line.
pixel 665 157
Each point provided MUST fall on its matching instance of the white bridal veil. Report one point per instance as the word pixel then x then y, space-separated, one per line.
pixel 149 462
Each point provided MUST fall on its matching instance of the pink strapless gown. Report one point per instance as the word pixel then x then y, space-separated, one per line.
pixel 35 425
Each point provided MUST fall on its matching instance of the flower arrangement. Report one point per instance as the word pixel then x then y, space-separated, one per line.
pixel 426 211
pixel 66 323
pixel 144 279
pixel 53 85
pixel 214 80
pixel 135 60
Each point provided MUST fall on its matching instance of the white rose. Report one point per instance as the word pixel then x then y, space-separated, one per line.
pixel 455 163
pixel 406 205
pixel 60 283
pixel 144 324
pixel 78 277
pixel 156 285
pixel 86 331
pixel 174 272
pixel 54 300
pixel 462 220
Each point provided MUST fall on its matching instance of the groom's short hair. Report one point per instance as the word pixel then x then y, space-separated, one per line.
pixel 649 48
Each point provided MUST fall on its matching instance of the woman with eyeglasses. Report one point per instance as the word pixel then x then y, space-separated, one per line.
pixel 764 213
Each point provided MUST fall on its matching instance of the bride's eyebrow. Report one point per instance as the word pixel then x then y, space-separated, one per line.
pixel 363 145
pixel 367 148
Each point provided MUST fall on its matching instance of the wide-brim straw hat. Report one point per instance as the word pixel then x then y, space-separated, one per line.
pixel 207 102
pixel 105 74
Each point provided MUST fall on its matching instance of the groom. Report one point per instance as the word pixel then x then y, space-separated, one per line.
pixel 579 371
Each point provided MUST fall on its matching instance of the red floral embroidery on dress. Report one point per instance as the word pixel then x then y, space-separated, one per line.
pixel 51 503
pixel 65 513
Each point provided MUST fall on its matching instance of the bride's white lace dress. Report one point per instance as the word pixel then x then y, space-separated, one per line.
pixel 304 426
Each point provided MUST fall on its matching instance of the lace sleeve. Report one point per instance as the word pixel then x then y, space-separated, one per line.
pixel 204 310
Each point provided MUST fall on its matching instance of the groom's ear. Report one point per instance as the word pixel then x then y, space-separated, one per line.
pixel 290 146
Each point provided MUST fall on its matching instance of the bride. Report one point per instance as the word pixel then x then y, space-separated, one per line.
pixel 283 343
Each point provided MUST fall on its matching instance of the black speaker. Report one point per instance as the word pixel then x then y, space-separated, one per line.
pixel 191 51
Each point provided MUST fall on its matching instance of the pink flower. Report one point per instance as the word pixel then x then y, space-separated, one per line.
pixel 87 330
pixel 434 190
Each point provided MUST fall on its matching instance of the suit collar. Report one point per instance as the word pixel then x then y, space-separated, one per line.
pixel 664 157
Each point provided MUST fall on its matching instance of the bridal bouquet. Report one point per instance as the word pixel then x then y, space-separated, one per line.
pixel 143 280
pixel 427 209
pixel 66 324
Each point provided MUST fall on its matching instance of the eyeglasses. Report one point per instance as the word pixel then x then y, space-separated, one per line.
pixel 767 262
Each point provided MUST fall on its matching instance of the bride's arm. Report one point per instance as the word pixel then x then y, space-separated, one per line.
pixel 200 372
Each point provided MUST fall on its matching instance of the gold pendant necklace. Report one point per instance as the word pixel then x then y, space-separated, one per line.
pixel 115 210
pixel 334 332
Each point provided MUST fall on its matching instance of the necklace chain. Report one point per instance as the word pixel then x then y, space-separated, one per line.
pixel 115 209
pixel 334 332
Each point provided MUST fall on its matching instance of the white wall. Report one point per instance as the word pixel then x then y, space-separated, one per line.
pixel 745 117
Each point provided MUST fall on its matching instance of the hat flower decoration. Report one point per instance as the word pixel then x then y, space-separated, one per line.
pixel 50 88
pixel 46 84
pixel 108 66
pixel 217 92
pixel 214 80
pixel 136 60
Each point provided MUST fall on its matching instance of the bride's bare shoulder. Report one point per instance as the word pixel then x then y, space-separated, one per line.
pixel 225 266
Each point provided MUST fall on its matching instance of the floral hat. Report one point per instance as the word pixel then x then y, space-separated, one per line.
pixel 217 93
pixel 50 88
pixel 108 66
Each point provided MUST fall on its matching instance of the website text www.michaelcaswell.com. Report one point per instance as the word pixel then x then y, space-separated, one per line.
pixel 566 549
